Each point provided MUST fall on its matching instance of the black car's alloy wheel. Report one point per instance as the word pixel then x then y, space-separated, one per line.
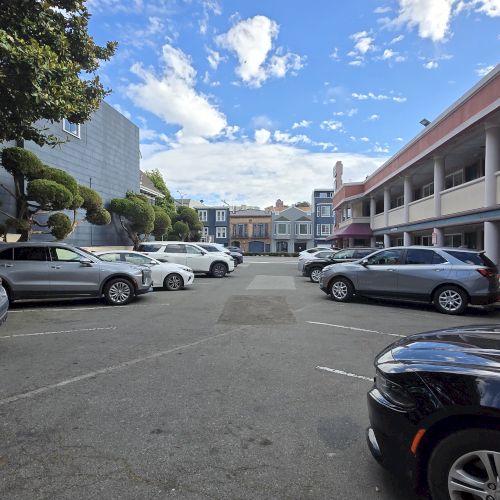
pixel 341 290
pixel 315 274
pixel 118 292
pixel 173 282
pixel 466 466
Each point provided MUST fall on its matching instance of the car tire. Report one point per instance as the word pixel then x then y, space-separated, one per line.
pixel 461 459
pixel 218 270
pixel 119 292
pixel 341 290
pixel 173 282
pixel 314 274
pixel 450 299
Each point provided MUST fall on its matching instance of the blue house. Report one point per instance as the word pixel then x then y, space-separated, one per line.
pixel 323 215
pixel 215 224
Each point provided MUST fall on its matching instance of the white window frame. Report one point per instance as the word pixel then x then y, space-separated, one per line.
pixel 66 124
pixel 220 215
pixel 426 190
pixel 325 229
pixel 287 230
pixel 323 195
pixel 205 231
pixel 203 215
pixel 457 174
pixel 221 232
pixel 297 229
pixel 323 209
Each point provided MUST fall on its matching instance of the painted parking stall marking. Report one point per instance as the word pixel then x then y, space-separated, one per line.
pixel 55 333
pixel 63 309
pixel 342 372
pixel 361 330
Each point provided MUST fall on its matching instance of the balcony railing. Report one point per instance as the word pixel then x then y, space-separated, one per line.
pixel 468 196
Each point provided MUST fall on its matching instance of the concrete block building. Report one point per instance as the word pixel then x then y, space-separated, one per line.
pixel 103 154
pixel 442 188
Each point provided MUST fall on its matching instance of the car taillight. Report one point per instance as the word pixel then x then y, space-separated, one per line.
pixel 487 273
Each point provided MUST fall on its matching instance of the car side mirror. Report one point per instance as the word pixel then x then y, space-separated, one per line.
pixel 364 262
pixel 86 262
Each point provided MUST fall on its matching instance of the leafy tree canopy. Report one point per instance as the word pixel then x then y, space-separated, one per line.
pixel 48 63
pixel 159 183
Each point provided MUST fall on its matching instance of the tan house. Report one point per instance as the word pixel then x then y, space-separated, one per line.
pixel 251 230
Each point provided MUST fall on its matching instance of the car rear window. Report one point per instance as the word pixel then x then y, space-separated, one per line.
pixel 364 253
pixel 30 253
pixel 6 254
pixel 146 247
pixel 472 258
pixel 423 257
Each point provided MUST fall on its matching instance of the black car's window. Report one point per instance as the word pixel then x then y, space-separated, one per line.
pixel 344 254
pixel 386 258
pixel 7 254
pixel 175 248
pixel 421 256
pixel 359 254
pixel 64 255
pixel 472 258
pixel 193 250
pixel 145 247
pixel 30 253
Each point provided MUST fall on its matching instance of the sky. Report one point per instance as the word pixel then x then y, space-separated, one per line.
pixel 249 101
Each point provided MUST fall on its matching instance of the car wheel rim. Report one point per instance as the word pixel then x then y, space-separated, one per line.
pixel 174 282
pixel 315 275
pixel 339 290
pixel 219 270
pixel 450 300
pixel 119 292
pixel 475 475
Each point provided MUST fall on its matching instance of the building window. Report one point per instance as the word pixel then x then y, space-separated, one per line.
pixel 323 195
pixel 205 232
pixel 71 128
pixel 454 179
pixel 397 202
pixel 281 228
pixel 324 229
pixel 282 246
pixel 220 215
pixel 203 215
pixel 302 228
pixel 325 211
pixel 260 230
pixel 453 240
pixel 220 232
pixel 240 230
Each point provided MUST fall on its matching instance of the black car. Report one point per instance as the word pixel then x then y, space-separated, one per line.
pixel 435 412
pixel 312 268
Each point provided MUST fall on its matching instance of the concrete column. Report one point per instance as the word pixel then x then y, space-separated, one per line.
pixel 350 242
pixel 373 242
pixel 440 237
pixel 387 205
pixel 438 184
pixel 407 239
pixel 492 240
pixel 408 197
pixel 387 241
pixel 491 164
pixel 373 209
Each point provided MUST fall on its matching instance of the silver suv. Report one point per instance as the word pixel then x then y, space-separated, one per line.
pixel 450 278
pixel 48 270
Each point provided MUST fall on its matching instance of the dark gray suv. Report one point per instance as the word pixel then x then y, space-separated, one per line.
pixel 48 270
pixel 450 278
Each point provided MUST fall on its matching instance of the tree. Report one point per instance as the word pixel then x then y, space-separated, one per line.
pixel 167 202
pixel 40 189
pixel 162 222
pixel 180 231
pixel 48 63
pixel 190 217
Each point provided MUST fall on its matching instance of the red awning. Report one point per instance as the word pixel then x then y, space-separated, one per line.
pixel 355 230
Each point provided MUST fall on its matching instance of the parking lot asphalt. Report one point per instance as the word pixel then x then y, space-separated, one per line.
pixel 248 387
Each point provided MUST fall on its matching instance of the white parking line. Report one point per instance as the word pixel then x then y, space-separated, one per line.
pixel 108 369
pixel 53 333
pixel 364 330
pixel 342 372
pixel 269 262
pixel 79 308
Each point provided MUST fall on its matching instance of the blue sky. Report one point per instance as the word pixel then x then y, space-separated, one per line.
pixel 251 101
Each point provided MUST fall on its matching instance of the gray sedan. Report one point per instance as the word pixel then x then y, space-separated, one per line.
pixel 450 278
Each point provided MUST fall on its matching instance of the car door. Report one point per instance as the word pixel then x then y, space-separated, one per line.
pixel 27 271
pixel 197 259
pixel 175 252
pixel 157 272
pixel 422 270
pixel 69 276
pixel 379 275
pixel 343 256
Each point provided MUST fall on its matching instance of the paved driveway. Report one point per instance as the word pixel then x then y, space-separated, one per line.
pixel 248 387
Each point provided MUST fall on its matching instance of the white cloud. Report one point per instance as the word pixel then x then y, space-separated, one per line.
pixel 484 70
pixel 396 39
pixel 431 65
pixel 374 117
pixel 382 10
pixel 287 138
pixel 399 99
pixel 489 7
pixel 262 136
pixel 377 97
pixel 363 42
pixel 349 112
pixel 399 139
pixel 123 111
pixel 231 131
pixel 209 7
pixel 172 97
pixel 213 58
pixel 252 41
pixel 364 139
pixel 380 149
pixel 388 53
pixel 252 166
pixel 431 17
pixel 356 62
pixel 301 124
pixel 335 54
pixel 331 125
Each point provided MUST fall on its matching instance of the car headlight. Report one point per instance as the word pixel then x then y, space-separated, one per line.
pixel 393 392
pixel 187 269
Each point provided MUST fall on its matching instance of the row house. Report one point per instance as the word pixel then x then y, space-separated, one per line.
pixel 323 215
pixel 215 222
pixel 442 188
pixel 292 230
pixel 251 230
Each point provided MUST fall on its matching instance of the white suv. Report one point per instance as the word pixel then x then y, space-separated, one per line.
pixel 190 255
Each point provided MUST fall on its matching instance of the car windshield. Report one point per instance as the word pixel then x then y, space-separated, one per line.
pixel 89 253
pixel 472 258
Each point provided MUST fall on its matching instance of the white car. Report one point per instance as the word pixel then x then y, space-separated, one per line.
pixel 191 255
pixel 165 275
pixel 314 250
pixel 321 254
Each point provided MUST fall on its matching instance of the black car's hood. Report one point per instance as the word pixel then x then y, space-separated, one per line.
pixel 463 348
